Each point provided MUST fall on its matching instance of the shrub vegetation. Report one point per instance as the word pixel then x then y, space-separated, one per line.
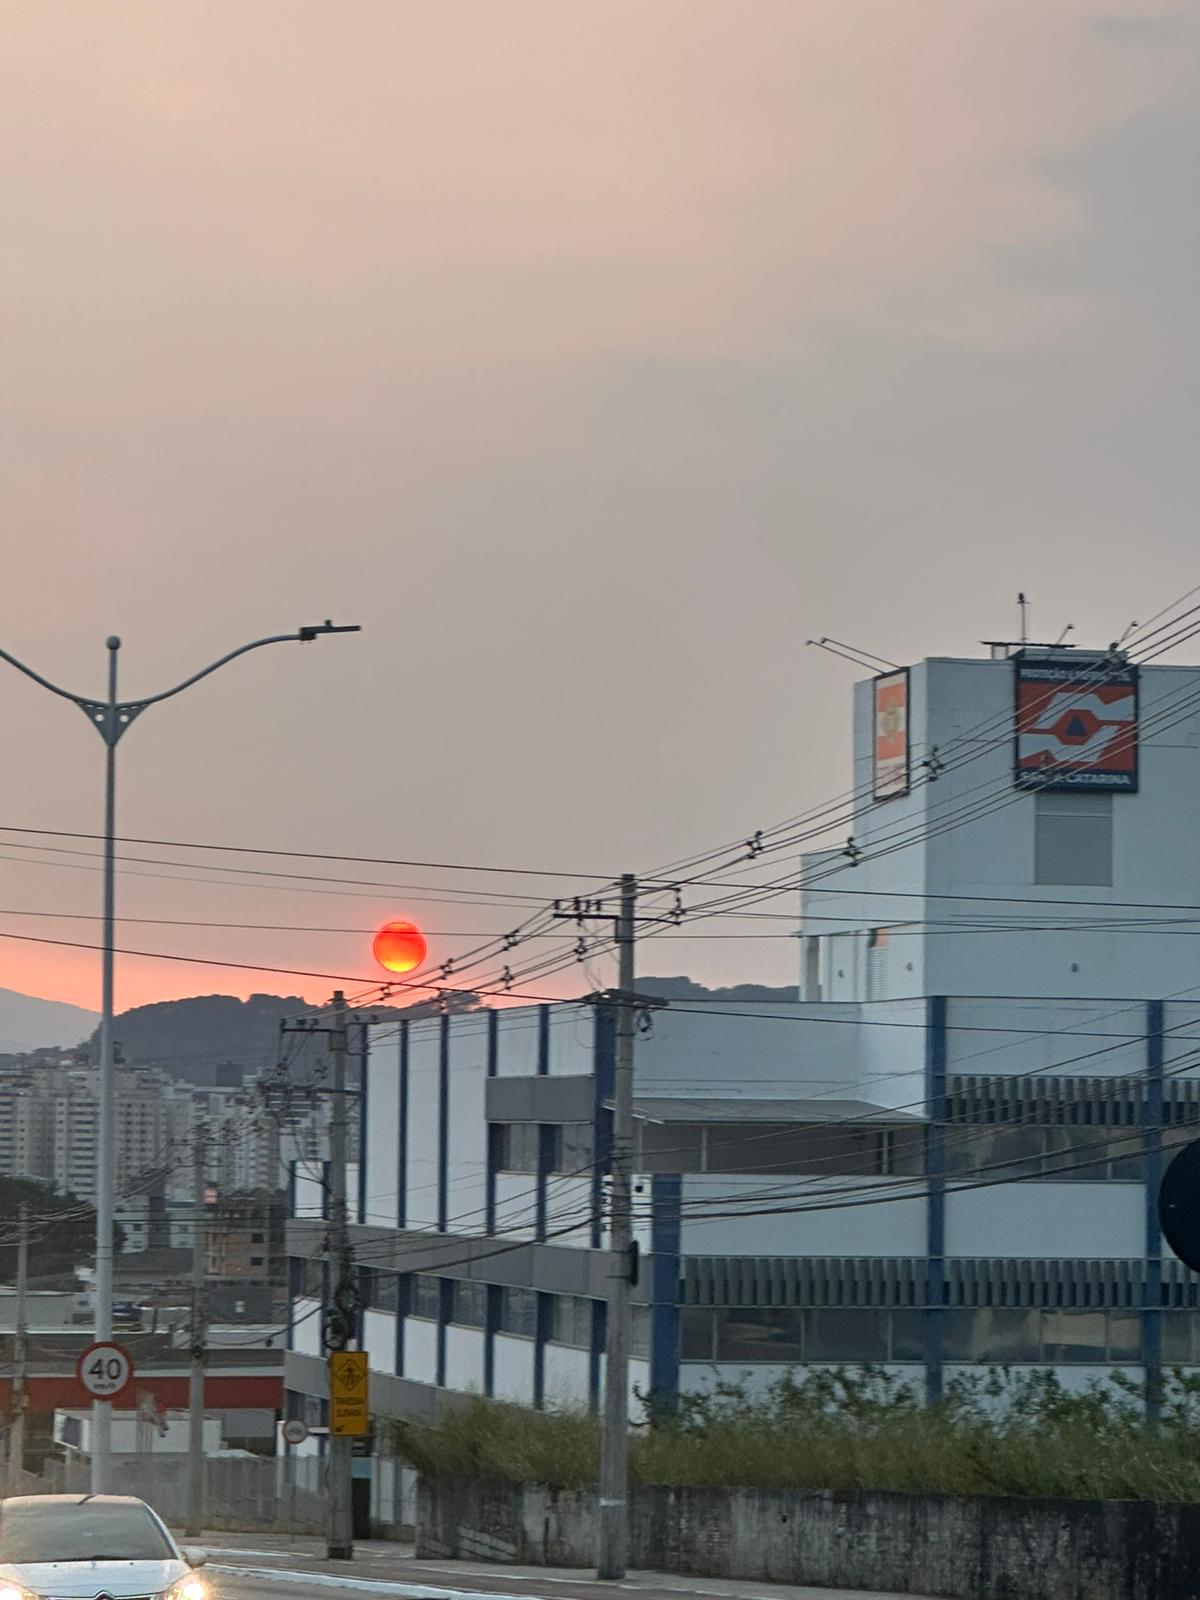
pixel 994 1434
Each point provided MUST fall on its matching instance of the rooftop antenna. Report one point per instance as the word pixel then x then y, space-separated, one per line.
pixel 1070 628
pixel 1023 612
pixel 851 652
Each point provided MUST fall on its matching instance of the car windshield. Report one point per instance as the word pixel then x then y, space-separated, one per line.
pixel 79 1530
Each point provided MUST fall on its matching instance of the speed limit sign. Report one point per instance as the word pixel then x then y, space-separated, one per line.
pixel 104 1370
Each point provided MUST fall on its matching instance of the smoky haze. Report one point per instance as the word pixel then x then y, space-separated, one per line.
pixel 592 357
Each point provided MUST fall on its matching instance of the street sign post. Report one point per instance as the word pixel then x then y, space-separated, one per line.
pixel 104 1369
pixel 349 1417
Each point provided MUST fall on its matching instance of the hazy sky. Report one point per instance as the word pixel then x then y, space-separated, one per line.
pixel 592 356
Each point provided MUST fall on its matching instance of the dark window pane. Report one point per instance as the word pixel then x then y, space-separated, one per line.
pixel 846 1335
pixel 1069 1336
pixel 696 1334
pixel 1073 838
pixel 578 1147
pixel 571 1321
pixel 425 1296
pixel 756 1334
pixel 469 1304
pixel 908 1335
pixel 1124 1336
pixel 992 1334
pixel 1179 1337
pixel 517 1147
pixel 518 1312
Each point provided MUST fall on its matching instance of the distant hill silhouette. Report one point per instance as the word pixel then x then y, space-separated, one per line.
pixel 27 1023
pixel 740 993
pixel 216 1038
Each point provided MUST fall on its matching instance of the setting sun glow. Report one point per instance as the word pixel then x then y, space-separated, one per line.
pixel 400 947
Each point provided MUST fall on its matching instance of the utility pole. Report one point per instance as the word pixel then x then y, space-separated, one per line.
pixel 613 1540
pixel 16 1448
pixel 195 1464
pixel 340 1545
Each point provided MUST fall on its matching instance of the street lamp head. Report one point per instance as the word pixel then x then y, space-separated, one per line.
pixel 310 632
pixel 113 642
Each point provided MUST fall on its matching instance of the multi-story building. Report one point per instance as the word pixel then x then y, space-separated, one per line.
pixel 946 1155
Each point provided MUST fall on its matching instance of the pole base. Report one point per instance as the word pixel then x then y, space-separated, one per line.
pixel 339 1552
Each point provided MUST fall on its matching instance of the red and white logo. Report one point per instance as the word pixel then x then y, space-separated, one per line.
pixel 1085 732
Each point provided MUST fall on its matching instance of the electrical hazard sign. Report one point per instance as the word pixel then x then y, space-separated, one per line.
pixel 349 1417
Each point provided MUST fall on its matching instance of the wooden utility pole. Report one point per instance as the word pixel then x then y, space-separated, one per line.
pixel 613 1532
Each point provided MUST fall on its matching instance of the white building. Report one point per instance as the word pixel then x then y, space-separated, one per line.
pixel 946 1155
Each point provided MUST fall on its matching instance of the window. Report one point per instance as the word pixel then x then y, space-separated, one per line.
pixel 518 1312
pixel 312 1279
pixel 552 1146
pixel 811 970
pixel 1073 838
pixel 576 1150
pixel 515 1146
pixel 755 1333
pixel 571 1321
pixel 425 1296
pixel 380 1290
pixel 468 1306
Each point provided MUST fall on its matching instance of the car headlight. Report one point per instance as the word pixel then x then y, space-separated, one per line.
pixel 189 1588
pixel 13 1591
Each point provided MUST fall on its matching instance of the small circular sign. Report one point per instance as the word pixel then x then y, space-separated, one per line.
pixel 104 1370
pixel 1179 1205
pixel 295 1432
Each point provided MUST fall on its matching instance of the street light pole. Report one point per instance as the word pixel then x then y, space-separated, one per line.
pixel 112 718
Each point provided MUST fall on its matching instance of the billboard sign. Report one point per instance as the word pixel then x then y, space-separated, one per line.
pixel 1076 724
pixel 890 776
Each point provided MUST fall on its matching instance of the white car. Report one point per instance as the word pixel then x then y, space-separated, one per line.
pixel 92 1547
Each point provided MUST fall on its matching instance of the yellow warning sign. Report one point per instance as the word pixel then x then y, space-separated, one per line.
pixel 348 1413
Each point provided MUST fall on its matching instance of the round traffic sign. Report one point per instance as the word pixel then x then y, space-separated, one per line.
pixel 104 1369
pixel 1179 1205
pixel 295 1432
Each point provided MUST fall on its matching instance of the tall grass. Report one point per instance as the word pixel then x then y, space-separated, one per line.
pixel 995 1434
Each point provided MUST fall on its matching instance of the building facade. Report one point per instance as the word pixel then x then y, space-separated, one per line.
pixel 944 1157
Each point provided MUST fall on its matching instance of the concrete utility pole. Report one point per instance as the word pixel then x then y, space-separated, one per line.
pixel 613 1541
pixel 112 719
pixel 16 1448
pixel 195 1463
pixel 341 1450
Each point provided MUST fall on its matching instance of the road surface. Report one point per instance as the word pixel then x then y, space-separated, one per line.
pixel 274 1571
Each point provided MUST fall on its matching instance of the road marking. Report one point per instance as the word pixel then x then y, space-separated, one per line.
pixel 328 1580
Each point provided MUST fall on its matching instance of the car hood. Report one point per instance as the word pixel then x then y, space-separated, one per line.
pixel 86 1580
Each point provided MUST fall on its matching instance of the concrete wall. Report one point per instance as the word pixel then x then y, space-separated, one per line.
pixel 976 1549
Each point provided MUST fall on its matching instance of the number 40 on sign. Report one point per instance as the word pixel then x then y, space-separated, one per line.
pixel 104 1370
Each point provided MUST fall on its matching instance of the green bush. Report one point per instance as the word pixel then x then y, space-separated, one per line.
pixel 997 1433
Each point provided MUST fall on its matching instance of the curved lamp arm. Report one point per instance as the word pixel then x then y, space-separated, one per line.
pixel 302 636
pixel 79 699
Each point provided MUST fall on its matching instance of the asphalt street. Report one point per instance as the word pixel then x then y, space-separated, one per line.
pixel 274 1571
